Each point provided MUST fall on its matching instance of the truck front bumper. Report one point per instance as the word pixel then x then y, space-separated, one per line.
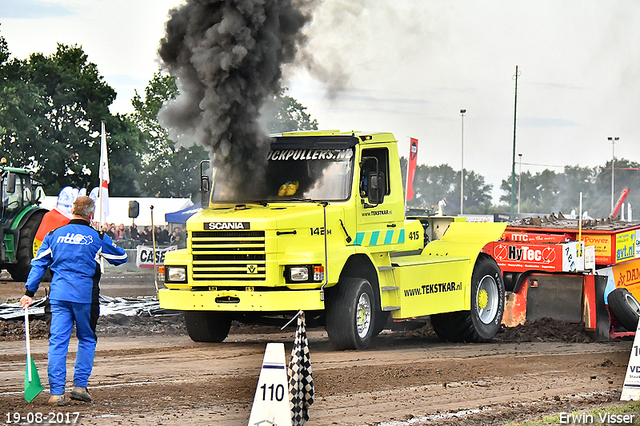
pixel 241 301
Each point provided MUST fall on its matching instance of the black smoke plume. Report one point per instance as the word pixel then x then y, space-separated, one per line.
pixel 227 57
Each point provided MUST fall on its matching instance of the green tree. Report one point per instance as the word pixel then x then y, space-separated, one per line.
pixel 550 192
pixel 57 103
pixel 432 184
pixel 540 191
pixel 284 114
pixel 477 194
pixel 168 170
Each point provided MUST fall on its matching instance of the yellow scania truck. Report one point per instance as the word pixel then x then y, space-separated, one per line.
pixel 327 234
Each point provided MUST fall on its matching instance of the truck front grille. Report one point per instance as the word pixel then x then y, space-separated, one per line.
pixel 228 255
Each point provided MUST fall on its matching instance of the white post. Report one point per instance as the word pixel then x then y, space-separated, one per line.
pixel 462 112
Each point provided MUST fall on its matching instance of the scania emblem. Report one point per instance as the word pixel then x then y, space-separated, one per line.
pixel 215 226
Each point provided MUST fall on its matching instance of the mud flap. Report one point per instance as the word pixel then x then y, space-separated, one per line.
pixel 558 297
pixel 603 320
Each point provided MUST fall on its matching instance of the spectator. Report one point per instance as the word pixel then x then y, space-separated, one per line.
pixel 165 236
pixel 134 231
pixel 120 233
pixel 176 239
pixel 111 232
pixel 147 235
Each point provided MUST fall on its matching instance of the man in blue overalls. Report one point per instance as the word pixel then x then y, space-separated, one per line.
pixel 72 252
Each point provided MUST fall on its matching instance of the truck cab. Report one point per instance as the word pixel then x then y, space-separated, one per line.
pixel 323 230
pixel 20 217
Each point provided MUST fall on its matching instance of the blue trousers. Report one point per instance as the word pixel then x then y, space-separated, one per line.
pixel 63 315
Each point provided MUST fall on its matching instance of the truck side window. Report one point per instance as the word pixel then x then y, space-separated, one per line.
pixel 369 166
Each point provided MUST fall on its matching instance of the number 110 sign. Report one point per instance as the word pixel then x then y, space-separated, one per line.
pixel 271 401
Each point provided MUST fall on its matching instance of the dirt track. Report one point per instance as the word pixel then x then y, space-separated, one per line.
pixel 165 378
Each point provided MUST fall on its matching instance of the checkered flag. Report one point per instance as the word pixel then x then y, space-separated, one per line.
pixel 300 377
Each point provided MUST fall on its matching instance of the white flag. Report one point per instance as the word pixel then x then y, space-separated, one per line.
pixel 103 193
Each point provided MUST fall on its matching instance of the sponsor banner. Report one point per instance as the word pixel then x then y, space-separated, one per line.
pixel 604 247
pixel 627 274
pixel 525 237
pixel 625 246
pixel 413 158
pixel 631 387
pixel 521 257
pixel 590 258
pixel 573 256
pixel 144 256
pixel 310 154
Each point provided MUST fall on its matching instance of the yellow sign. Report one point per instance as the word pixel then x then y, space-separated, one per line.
pixel 627 275
pixel 625 246
pixel 602 244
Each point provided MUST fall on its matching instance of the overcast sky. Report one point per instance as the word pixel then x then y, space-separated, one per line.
pixel 408 67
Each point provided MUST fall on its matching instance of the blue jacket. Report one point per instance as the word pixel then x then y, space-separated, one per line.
pixel 72 252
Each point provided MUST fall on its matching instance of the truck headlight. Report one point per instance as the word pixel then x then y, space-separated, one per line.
pixel 304 273
pixel 299 273
pixel 175 274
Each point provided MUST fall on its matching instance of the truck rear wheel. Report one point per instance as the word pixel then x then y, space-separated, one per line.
pixel 351 314
pixel 483 321
pixel 24 253
pixel 207 326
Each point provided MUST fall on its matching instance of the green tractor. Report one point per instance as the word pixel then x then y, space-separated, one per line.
pixel 21 216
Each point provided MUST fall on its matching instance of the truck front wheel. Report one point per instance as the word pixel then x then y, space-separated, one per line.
pixel 483 321
pixel 206 326
pixel 351 314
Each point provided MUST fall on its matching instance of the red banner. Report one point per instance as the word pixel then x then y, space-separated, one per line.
pixel 411 171
pixel 520 257
pixel 523 237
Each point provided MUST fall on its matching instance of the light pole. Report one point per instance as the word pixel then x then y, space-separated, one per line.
pixel 613 162
pixel 462 113
pixel 519 181
pixel 513 157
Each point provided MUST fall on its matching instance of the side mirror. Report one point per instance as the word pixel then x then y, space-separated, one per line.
pixel 377 188
pixel 11 183
pixel 205 186
pixel 39 195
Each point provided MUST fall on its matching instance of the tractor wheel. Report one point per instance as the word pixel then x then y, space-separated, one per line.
pixel 24 250
pixel 351 314
pixel 207 326
pixel 625 308
pixel 483 321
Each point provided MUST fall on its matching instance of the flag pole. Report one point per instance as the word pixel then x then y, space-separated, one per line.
pixel 103 144
pixel 406 186
pixel 104 180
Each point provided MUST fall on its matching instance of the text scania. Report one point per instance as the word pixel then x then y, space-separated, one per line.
pixel 433 289
pixel 226 225
pixel 310 154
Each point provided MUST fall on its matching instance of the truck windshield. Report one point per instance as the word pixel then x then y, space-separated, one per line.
pixel 303 174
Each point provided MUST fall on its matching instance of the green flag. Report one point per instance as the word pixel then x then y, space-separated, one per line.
pixel 32 385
